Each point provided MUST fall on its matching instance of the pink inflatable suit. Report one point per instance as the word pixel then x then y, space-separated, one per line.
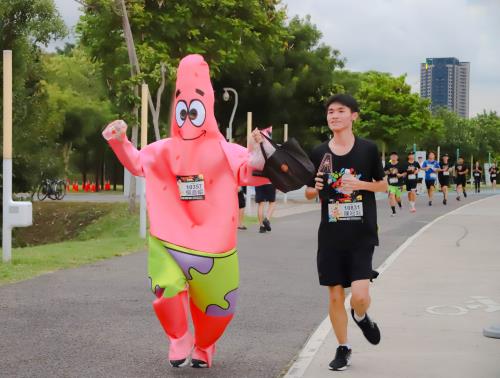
pixel 192 181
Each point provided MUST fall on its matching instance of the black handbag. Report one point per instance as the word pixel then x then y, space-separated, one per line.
pixel 289 167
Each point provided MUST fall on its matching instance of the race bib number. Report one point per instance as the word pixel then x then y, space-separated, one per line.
pixel 345 211
pixel 493 175
pixel 446 173
pixel 393 180
pixel 191 187
pixel 412 177
pixel 433 175
pixel 476 174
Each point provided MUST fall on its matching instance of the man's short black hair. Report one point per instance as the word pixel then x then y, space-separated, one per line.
pixel 445 155
pixel 344 99
pixel 394 153
pixel 411 153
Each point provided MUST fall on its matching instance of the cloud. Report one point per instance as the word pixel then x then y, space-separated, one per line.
pixel 396 36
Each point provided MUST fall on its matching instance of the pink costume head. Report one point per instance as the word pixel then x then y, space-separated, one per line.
pixel 194 119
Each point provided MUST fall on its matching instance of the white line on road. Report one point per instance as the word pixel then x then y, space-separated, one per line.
pixel 313 345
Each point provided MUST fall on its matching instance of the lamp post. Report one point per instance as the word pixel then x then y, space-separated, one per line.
pixel 226 97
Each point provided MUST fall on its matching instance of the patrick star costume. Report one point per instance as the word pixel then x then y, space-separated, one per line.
pixel 192 179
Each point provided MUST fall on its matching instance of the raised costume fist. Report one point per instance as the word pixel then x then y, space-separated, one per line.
pixel 115 129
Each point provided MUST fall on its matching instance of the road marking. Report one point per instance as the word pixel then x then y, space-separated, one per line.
pixel 314 343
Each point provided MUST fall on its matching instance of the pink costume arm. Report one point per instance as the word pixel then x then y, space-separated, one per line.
pixel 128 155
pixel 238 157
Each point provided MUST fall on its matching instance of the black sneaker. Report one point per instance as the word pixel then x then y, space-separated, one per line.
pixel 178 363
pixel 342 358
pixel 400 205
pixel 458 198
pixel 430 203
pixel 198 364
pixel 262 229
pixel 267 224
pixel 444 202
pixel 465 194
pixel 369 328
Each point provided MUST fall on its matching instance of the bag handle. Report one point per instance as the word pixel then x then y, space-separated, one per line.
pixel 262 145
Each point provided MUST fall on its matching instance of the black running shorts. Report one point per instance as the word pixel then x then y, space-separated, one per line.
pixel 343 266
pixel 411 185
pixel 430 183
pixel 460 180
pixel 265 193
pixel 444 181
pixel 241 200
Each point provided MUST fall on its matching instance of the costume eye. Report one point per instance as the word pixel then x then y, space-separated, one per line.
pixel 197 113
pixel 181 112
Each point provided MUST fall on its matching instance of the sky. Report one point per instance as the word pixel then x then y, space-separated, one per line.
pixel 395 36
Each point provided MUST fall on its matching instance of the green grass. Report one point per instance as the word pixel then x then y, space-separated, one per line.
pixel 114 234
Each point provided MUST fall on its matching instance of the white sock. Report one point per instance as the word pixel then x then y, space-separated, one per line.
pixel 346 345
pixel 359 318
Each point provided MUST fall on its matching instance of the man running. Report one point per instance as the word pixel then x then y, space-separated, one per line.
pixel 412 169
pixel 461 172
pixel 493 176
pixel 444 177
pixel 348 230
pixel 395 175
pixel 431 168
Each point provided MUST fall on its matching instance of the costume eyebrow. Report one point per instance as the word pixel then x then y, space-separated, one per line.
pixel 200 92
pixel 177 93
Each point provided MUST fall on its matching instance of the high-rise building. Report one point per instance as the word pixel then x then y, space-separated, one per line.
pixel 446 82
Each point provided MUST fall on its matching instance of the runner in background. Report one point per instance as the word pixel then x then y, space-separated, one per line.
pixel 395 176
pixel 412 170
pixel 431 168
pixel 478 174
pixel 493 176
pixel 444 177
pixel 461 172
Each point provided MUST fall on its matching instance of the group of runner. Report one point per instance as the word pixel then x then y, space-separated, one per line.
pixel 410 174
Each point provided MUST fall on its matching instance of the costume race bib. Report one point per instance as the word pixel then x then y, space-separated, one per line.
pixel 412 177
pixel 191 187
pixel 345 211
pixel 393 180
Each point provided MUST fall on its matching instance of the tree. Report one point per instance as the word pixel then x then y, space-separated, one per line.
pixel 390 113
pixel 79 107
pixel 25 25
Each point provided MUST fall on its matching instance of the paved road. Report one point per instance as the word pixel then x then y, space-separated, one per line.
pixel 97 321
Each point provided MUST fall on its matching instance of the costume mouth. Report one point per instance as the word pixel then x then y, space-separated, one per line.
pixel 199 136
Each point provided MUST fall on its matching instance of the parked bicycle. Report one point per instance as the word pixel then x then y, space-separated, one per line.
pixel 55 189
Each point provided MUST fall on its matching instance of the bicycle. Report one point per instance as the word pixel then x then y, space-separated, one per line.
pixel 55 189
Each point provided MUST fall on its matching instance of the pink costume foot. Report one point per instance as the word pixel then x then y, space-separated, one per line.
pixel 172 314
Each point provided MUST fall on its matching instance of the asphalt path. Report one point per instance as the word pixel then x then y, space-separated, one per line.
pixel 97 320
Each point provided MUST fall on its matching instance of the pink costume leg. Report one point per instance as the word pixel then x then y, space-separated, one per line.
pixel 207 329
pixel 172 314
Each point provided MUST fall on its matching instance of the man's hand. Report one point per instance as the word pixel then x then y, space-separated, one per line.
pixel 115 130
pixel 319 181
pixel 351 184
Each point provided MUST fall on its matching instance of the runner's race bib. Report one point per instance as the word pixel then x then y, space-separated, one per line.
pixel 446 173
pixel 191 187
pixel 476 174
pixel 433 175
pixel 493 175
pixel 412 177
pixel 393 180
pixel 345 211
